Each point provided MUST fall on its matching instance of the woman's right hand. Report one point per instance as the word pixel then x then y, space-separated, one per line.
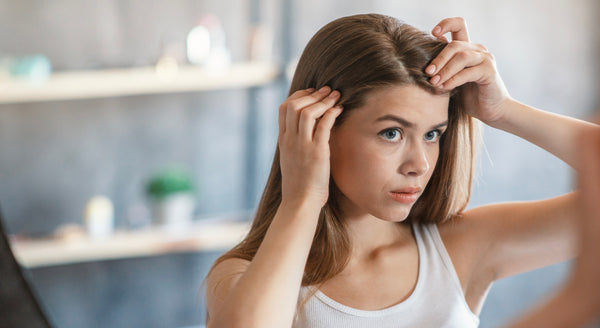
pixel 305 122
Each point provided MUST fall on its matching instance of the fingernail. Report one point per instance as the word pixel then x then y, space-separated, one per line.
pixel 430 69
pixel 324 89
pixel 437 30
pixel 310 89
pixel 334 94
pixel 434 80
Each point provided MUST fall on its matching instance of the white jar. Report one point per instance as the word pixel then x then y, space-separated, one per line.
pixel 99 217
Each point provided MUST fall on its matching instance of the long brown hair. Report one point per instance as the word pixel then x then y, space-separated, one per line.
pixel 356 55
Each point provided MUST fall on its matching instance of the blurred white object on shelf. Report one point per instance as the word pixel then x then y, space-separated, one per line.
pixel 206 44
pixel 99 217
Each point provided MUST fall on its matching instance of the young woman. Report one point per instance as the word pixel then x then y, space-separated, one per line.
pixel 362 221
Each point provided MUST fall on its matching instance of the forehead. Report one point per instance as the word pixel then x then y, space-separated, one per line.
pixel 409 102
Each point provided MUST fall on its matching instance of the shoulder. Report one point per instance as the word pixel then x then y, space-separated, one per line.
pixel 493 237
pixel 221 279
pixel 230 267
pixel 473 233
pixel 462 228
pixel 467 237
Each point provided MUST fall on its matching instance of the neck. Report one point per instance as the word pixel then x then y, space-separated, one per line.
pixel 371 236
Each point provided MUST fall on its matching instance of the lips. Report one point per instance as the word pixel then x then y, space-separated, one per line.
pixel 407 195
pixel 408 190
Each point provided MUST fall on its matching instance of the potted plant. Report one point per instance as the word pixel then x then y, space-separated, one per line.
pixel 172 194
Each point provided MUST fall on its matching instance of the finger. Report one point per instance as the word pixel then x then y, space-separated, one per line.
pixel 442 38
pixel 445 55
pixel 294 107
pixel 309 115
pixel 323 130
pixel 460 61
pixel 457 26
pixel 282 114
pixel 471 74
pixel 301 93
pixel 283 107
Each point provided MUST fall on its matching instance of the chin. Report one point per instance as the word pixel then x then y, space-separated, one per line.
pixel 394 216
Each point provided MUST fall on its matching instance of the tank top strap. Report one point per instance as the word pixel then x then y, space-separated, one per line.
pixel 439 262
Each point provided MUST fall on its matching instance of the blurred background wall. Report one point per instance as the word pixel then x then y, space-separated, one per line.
pixel 56 155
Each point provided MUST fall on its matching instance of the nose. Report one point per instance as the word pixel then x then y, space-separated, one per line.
pixel 415 162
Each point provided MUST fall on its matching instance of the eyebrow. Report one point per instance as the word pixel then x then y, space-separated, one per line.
pixel 406 123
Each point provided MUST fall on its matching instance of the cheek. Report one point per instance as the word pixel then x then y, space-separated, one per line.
pixel 345 161
pixel 358 169
pixel 432 158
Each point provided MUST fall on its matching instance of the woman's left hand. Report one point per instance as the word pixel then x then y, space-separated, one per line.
pixel 462 62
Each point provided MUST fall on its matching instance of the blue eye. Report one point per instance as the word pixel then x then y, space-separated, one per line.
pixel 433 135
pixel 393 134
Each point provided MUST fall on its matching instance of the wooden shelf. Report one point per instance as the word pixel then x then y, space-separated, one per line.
pixel 200 236
pixel 136 81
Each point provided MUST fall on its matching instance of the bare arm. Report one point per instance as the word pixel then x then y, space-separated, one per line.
pixel 264 292
pixel 524 236
pixel 473 68
pixel 552 132
pixel 514 237
pixel 578 301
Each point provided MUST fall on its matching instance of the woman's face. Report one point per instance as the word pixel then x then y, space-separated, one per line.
pixel 384 153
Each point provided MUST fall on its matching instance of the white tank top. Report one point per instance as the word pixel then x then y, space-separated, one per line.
pixel 437 300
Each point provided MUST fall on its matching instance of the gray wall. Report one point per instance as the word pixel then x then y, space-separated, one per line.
pixel 56 155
